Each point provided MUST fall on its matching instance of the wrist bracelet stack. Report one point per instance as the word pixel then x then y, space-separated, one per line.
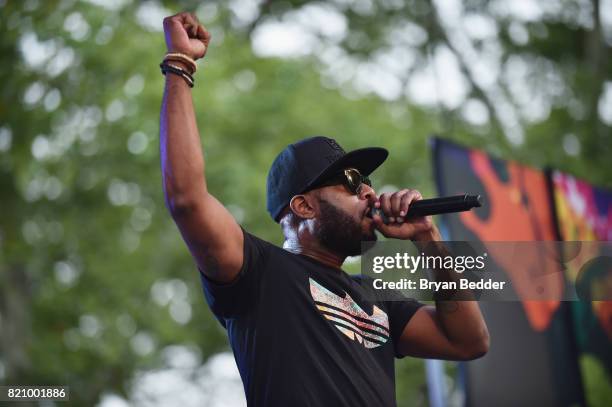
pixel 168 67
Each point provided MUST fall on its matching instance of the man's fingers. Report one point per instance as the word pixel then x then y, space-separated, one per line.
pixel 396 199
pixel 397 205
pixel 200 32
pixel 404 205
pixel 188 18
pixel 400 201
pixel 394 231
pixel 203 34
pixel 189 22
pixel 411 196
pixel 385 205
pixel 185 34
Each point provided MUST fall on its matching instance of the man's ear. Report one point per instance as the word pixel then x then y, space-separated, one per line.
pixel 303 206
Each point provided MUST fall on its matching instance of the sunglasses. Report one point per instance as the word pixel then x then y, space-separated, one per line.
pixel 351 178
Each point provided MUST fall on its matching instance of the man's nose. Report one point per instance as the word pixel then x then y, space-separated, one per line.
pixel 368 193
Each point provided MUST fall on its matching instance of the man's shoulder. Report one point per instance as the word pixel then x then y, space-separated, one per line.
pixel 361 278
pixel 260 244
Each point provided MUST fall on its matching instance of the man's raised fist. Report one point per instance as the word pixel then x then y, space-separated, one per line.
pixel 186 35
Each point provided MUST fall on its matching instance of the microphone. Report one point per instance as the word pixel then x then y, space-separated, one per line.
pixel 436 206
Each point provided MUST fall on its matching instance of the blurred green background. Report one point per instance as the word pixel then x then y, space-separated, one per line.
pixel 98 291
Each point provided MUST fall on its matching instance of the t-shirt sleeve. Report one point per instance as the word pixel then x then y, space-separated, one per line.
pixel 401 310
pixel 230 300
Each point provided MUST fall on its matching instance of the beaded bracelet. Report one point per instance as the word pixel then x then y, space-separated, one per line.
pixel 166 67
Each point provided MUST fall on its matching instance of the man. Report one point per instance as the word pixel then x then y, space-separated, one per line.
pixel 301 329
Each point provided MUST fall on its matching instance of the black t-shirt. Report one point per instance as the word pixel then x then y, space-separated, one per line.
pixel 303 334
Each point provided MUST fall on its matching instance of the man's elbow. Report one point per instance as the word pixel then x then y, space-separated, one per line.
pixel 184 198
pixel 477 348
pixel 180 205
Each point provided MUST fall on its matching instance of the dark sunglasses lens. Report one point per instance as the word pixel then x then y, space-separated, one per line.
pixel 355 179
pixel 352 177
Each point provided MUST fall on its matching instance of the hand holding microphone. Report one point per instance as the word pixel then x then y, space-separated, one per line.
pixel 436 206
pixel 405 215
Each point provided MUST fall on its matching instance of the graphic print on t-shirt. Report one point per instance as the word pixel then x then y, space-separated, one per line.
pixel 346 315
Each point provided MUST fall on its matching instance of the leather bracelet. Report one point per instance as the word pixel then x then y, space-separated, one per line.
pixel 177 56
pixel 166 67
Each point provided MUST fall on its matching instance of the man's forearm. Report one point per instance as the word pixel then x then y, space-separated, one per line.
pixel 459 317
pixel 463 324
pixel 182 160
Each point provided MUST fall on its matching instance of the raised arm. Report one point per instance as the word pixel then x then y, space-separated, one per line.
pixel 211 233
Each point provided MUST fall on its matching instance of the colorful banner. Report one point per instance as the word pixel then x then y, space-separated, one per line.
pixel 517 207
pixel 533 357
pixel 584 213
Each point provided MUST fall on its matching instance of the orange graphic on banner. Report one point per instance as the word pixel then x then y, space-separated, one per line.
pixel 519 211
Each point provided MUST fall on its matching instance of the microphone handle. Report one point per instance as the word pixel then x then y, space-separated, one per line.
pixel 437 206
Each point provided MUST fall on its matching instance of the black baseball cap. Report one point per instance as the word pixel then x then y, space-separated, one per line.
pixel 304 164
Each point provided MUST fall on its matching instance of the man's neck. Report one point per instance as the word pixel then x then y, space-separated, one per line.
pixel 314 251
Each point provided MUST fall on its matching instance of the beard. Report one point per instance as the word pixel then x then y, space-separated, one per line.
pixel 340 232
